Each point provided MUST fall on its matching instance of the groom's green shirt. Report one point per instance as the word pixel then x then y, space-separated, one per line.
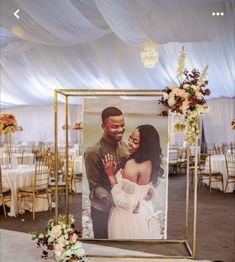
pixel 99 184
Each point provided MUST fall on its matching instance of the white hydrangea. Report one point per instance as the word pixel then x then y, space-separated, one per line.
pixel 56 231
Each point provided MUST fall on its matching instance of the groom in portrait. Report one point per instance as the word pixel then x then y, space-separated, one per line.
pixel 113 125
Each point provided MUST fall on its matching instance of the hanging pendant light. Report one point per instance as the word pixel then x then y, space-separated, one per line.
pixel 149 55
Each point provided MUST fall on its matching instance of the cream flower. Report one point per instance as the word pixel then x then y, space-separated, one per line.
pixel 185 86
pixel 56 231
pixel 198 95
pixel 203 75
pixel 185 106
pixel 61 240
pixel 199 109
pixel 171 101
pixel 195 88
pixel 165 96
pixel 74 238
pixel 58 249
pixel 181 61
pixel 179 92
pixel 205 109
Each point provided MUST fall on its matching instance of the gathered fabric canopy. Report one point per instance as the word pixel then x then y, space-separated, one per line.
pixel 97 44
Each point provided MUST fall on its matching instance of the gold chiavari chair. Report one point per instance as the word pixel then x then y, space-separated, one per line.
pixel 173 160
pixel 211 175
pixel 39 188
pixel 5 194
pixel 201 158
pixel 230 168
pixel 224 148
pixel 213 149
pixel 182 159
pixel 232 148
pixel 217 150
pixel 61 186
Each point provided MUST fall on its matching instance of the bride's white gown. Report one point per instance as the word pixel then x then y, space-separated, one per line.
pixel 124 222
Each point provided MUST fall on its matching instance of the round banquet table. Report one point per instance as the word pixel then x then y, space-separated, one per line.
pixel 20 176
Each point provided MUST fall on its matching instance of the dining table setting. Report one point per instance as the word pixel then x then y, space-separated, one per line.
pixel 14 177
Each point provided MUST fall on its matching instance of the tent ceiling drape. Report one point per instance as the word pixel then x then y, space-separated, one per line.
pixel 97 44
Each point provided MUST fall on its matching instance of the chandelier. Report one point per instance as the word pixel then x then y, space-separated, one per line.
pixel 149 55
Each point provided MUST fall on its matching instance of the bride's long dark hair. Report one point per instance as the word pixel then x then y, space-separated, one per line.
pixel 149 149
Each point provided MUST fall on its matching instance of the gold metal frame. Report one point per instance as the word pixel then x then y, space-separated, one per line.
pixel 134 93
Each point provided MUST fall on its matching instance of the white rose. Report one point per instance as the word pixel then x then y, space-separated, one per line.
pixel 181 92
pixel 199 109
pixel 185 106
pixel 175 91
pixel 74 238
pixel 50 239
pixel 41 236
pixel 58 250
pixel 194 113
pixel 185 95
pixel 56 231
pixel 61 240
pixel 195 88
pixel 198 95
pixel 171 101
pixel 185 86
pixel 165 96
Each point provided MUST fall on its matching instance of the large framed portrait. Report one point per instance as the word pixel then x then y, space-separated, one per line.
pixel 125 176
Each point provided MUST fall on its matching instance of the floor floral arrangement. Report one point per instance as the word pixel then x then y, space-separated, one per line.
pixel 187 99
pixel 61 239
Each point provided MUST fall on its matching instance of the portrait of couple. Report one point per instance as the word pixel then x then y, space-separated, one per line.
pixel 122 177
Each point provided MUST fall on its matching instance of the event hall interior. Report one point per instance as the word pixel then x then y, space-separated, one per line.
pixel 168 64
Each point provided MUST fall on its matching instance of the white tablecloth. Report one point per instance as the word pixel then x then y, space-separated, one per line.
pixel 18 177
pixel 218 164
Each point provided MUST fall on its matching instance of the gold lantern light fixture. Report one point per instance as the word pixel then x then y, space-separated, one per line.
pixel 149 55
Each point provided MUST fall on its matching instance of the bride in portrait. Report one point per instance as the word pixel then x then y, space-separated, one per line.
pixel 132 215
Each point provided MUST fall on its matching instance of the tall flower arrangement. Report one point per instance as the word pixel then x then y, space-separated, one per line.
pixel 8 123
pixel 233 124
pixel 62 239
pixel 187 99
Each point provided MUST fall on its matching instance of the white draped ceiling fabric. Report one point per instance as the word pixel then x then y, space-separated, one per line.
pixel 97 44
